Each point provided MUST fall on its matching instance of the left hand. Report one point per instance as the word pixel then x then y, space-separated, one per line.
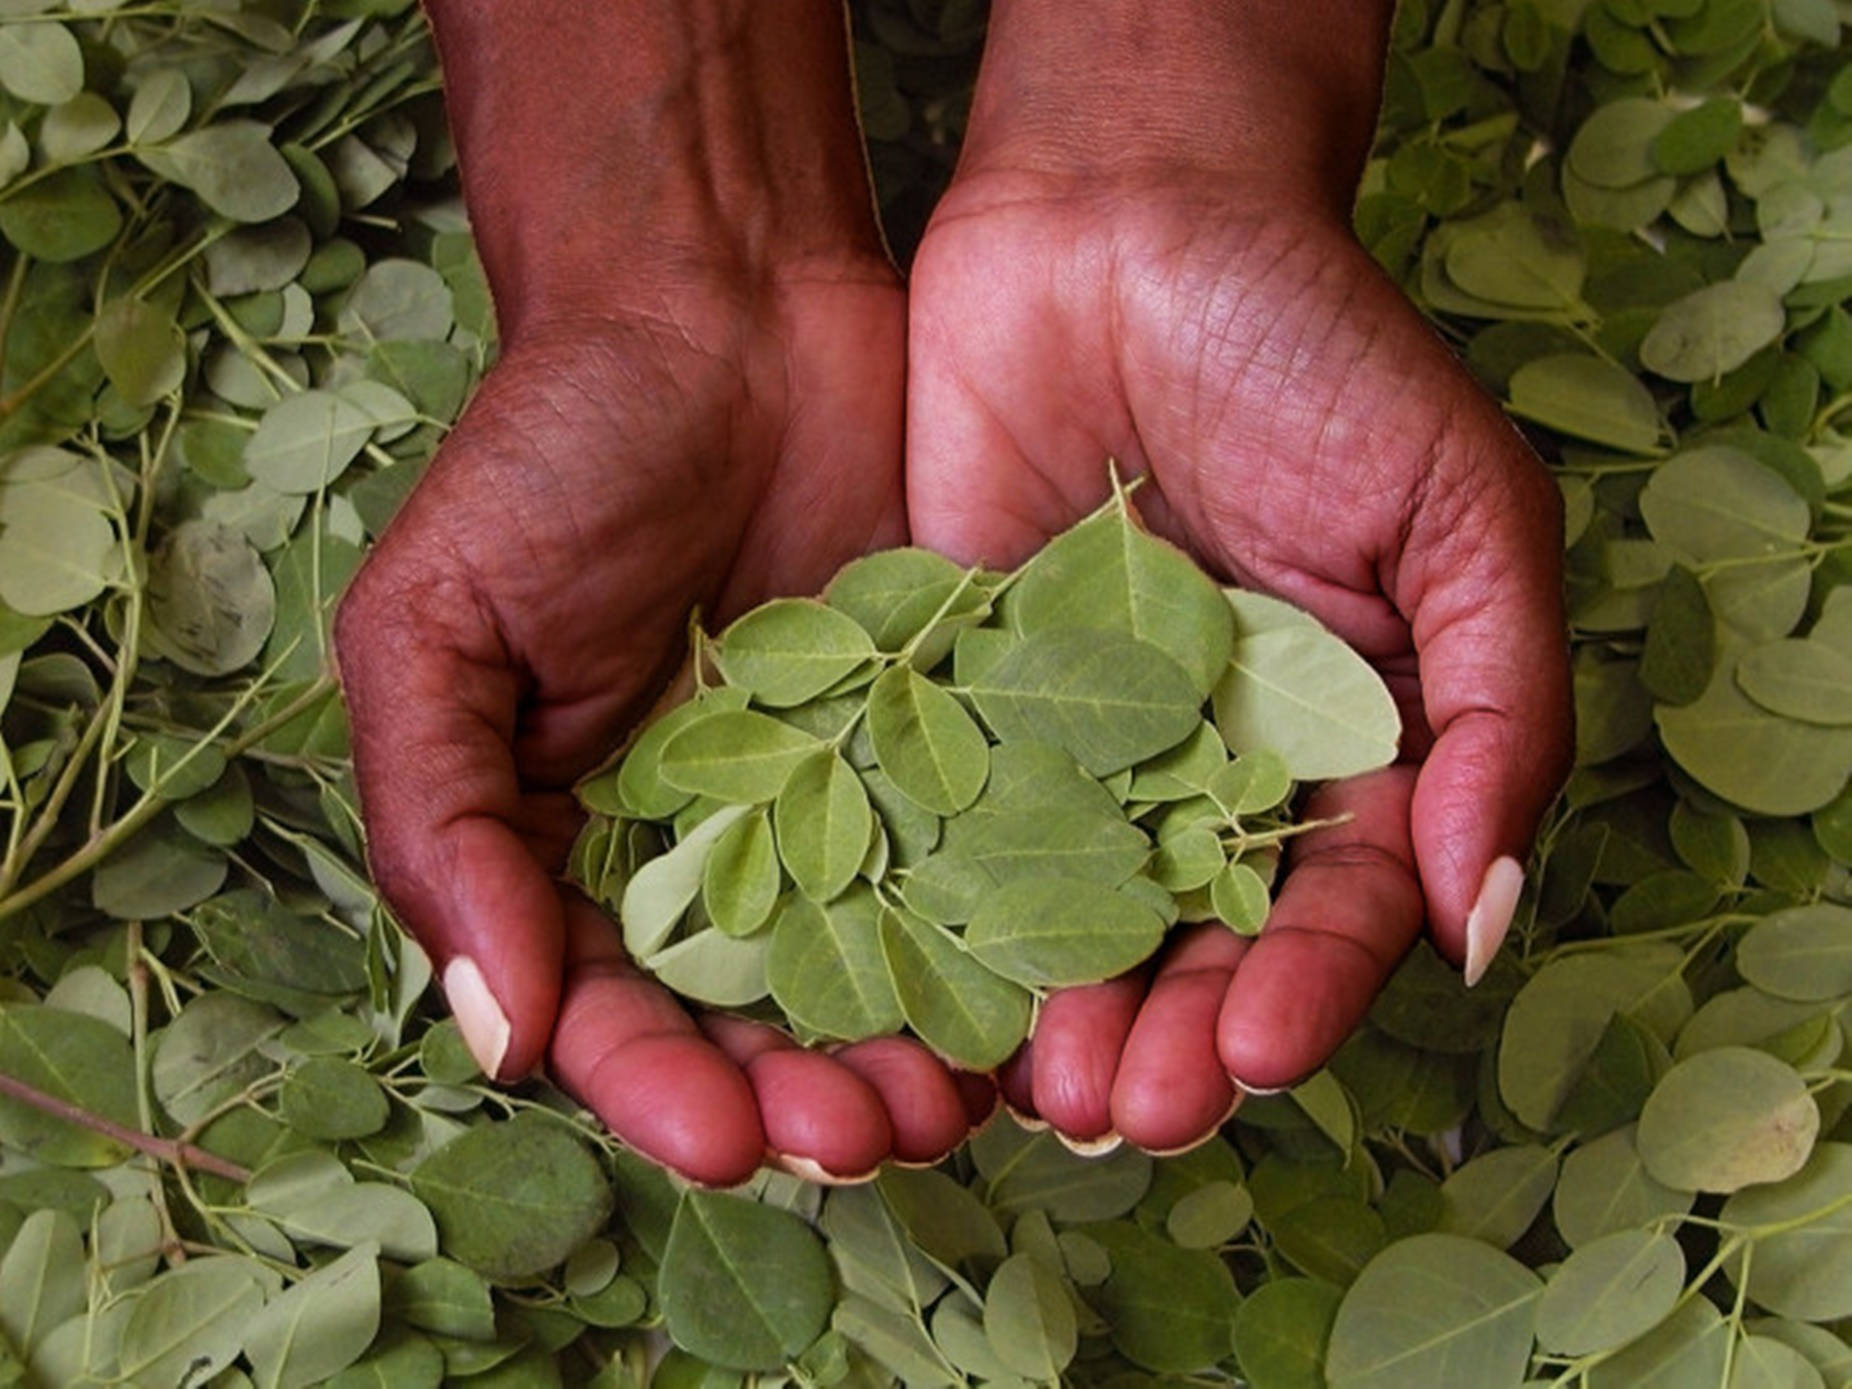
pixel 1302 431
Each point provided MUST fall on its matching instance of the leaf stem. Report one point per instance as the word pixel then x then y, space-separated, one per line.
pixel 138 815
pixel 165 1149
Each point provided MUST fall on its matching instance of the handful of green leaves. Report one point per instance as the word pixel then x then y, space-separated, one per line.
pixel 938 791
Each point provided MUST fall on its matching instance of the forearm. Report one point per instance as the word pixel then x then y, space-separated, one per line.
pixel 643 141
pixel 1282 90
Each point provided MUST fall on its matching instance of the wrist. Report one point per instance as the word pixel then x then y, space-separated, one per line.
pixel 1275 99
pixel 617 155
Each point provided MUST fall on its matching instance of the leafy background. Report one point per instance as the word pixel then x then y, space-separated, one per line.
pixel 238 308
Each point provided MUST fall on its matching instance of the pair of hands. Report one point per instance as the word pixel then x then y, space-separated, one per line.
pixel 745 433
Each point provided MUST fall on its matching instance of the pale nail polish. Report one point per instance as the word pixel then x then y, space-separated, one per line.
pixel 479 1017
pixel 1090 1147
pixel 810 1170
pixel 1023 1119
pixel 1490 917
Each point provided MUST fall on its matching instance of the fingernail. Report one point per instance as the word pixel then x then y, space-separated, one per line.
pixel 809 1170
pixel 1024 1119
pixel 1212 1130
pixel 1490 917
pixel 1090 1147
pixel 479 1017
pixel 1243 1088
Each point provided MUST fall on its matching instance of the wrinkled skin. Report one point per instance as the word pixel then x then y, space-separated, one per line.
pixel 701 450
pixel 1304 433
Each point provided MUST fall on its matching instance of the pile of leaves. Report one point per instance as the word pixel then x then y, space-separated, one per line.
pixel 239 1144
pixel 937 793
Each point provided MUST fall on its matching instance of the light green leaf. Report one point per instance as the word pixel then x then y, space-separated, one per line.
pixel 1029 1318
pixel 662 889
pixel 40 63
pixel 513 1199
pixel 1497 1195
pixel 640 788
pixel 1589 398
pixel 925 742
pixel 826 968
pixel 1727 1118
pixel 57 547
pixel 1613 147
pixel 896 594
pixel 75 1058
pixel 1107 573
pixel 319 1326
pixel 1802 1266
pixel 1281 1330
pixel 1712 331
pixel 212 601
pixel 63 217
pixel 1800 952
pixel 41 1278
pixel 1512 256
pixel 1558 1019
pixel 735 755
pixel 958 1007
pixel 790 650
pixel 1240 898
pixel 1690 1347
pixel 398 300
pixel 1171 1310
pixel 1804 680
pixel 1108 700
pixel 1758 760
pixel 1210 1216
pixel 305 441
pixel 823 821
pixel 332 1098
pixel 1763 1362
pixel 715 969
pixel 160 106
pixel 77 128
pixel 1065 841
pixel 442 1296
pixel 160 871
pixel 1606 1188
pixel 190 1322
pixel 740 881
pixel 1434 1309
pixel 231 165
pixel 1610 1291
pixel 1303 694
pixel 1033 1171
pixel 743 1285
pixel 1051 931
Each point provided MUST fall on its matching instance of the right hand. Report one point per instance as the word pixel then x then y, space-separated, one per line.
pixel 620 467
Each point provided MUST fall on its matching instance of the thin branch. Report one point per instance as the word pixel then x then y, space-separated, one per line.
pixel 168 1151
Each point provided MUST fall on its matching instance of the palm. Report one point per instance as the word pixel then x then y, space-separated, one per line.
pixel 1304 433
pixel 611 477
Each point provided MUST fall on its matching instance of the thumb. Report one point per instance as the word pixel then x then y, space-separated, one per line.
pixel 432 700
pixel 1480 582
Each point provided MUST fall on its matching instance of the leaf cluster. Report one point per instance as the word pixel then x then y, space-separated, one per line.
pixel 934 794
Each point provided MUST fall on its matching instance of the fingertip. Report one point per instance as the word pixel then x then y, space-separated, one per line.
pixel 1171 1087
pixel 814 1107
pixel 496 928
pixel 680 1102
pixel 1079 1036
pixel 1295 999
pixel 924 1107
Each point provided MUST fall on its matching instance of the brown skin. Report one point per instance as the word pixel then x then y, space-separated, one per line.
pixel 700 402
pixel 1146 254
